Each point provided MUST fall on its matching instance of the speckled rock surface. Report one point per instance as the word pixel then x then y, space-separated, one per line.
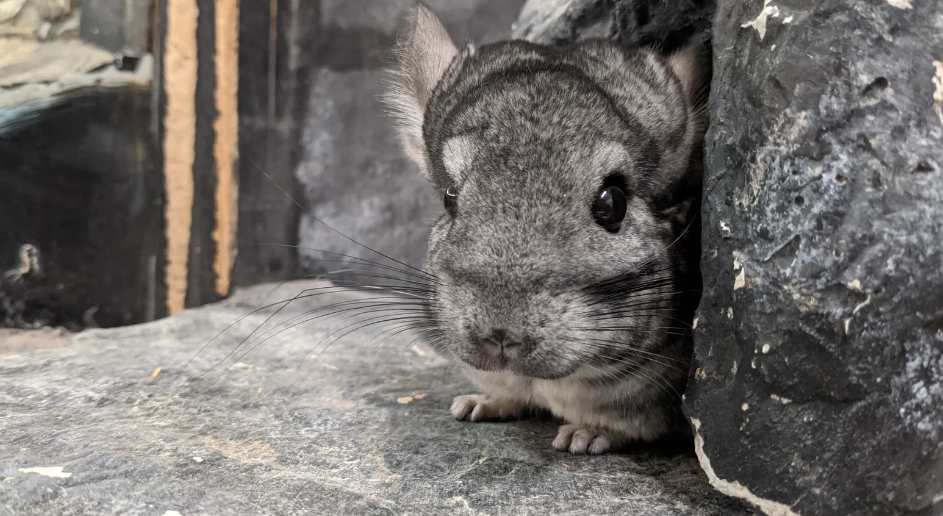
pixel 820 346
pixel 665 23
pixel 361 429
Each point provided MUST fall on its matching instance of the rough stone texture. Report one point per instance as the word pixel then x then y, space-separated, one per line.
pixel 663 23
pixel 820 350
pixel 336 435
pixel 354 175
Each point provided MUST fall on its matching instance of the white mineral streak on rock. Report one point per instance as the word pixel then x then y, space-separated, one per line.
pixel 759 23
pixel 938 94
pixel 740 280
pixel 736 489
pixel 54 472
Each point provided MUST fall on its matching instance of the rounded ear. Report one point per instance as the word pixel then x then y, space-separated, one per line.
pixel 423 53
pixel 690 64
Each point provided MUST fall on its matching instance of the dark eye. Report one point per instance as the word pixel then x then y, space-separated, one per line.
pixel 609 208
pixel 451 199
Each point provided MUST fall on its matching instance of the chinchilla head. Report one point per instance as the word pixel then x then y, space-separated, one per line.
pixel 569 175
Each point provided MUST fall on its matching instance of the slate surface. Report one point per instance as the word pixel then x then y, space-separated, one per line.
pixel 332 436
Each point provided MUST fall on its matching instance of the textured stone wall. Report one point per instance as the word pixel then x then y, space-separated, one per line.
pixel 820 343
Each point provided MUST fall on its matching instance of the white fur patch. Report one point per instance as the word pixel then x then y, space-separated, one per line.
pixel 458 154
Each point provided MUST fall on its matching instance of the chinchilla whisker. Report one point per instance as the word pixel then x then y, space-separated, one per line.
pixel 634 314
pixel 426 334
pixel 662 383
pixel 637 350
pixel 628 287
pixel 631 328
pixel 331 289
pixel 451 366
pixel 651 305
pixel 694 218
pixel 647 312
pixel 404 292
pixel 301 295
pixel 393 331
pixel 656 293
pixel 592 363
pixel 656 330
pixel 648 295
pixel 608 375
pixel 359 302
pixel 313 216
pixel 280 332
pixel 403 328
pixel 629 290
pixel 401 316
pixel 647 308
pixel 638 373
pixel 640 361
pixel 362 262
pixel 423 287
pixel 644 304
pixel 370 322
pixel 361 309
pixel 391 283
pixel 636 275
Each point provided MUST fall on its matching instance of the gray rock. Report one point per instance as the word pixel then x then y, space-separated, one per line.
pixel 664 23
pixel 359 429
pixel 820 343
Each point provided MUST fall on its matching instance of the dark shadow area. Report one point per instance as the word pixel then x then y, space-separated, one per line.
pixel 81 211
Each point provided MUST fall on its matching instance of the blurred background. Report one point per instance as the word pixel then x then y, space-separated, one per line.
pixel 150 149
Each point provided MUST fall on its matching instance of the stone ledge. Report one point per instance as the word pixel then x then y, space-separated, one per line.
pixel 361 429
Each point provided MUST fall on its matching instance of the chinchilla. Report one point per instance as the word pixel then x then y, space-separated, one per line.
pixel 565 263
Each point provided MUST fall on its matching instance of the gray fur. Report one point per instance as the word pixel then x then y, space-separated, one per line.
pixel 596 325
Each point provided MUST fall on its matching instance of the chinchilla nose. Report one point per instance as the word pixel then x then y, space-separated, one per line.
pixel 501 341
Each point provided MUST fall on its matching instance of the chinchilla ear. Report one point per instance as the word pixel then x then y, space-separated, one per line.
pixel 423 53
pixel 692 67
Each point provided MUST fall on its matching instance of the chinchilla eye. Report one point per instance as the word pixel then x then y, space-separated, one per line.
pixel 609 208
pixel 451 199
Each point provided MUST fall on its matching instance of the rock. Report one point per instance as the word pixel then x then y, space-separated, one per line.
pixel 665 23
pixel 120 422
pixel 820 333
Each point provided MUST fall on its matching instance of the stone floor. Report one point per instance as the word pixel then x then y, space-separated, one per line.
pixel 361 429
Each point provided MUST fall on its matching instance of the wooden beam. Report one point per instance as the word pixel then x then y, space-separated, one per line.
pixel 180 80
pixel 226 147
